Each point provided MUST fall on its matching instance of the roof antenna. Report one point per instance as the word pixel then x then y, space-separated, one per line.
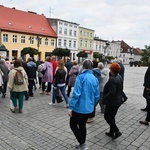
pixel 50 11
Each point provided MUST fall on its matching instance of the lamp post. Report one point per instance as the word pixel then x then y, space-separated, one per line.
pixel 105 50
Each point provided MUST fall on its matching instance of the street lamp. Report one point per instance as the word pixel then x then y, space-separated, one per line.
pixel 105 49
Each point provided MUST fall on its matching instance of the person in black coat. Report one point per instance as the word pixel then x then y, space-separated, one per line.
pixel 146 94
pixel 112 98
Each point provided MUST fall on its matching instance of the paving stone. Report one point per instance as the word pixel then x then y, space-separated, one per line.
pixel 45 127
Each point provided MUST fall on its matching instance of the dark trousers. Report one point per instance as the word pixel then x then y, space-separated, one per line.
pixel 40 81
pixel 4 88
pixel 68 91
pixel 78 126
pixel 109 115
pixel 148 111
pixel 48 87
pixel 30 87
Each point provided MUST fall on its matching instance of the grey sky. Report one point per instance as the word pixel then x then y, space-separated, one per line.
pixel 126 20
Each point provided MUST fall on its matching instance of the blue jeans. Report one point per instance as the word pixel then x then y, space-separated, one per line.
pixel 63 92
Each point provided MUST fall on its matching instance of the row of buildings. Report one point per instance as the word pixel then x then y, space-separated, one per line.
pixel 20 29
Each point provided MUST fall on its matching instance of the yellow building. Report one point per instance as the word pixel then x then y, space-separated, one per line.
pixel 86 40
pixel 20 29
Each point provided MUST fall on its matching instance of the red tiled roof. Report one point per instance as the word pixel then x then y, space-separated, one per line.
pixel 26 22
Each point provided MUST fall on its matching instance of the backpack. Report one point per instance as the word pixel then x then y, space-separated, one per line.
pixel 18 78
pixel 97 73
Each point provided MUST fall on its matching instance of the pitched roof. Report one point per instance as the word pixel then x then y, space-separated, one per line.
pixel 15 20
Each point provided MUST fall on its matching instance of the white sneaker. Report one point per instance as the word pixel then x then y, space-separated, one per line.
pixel 67 105
pixel 83 147
pixel 51 103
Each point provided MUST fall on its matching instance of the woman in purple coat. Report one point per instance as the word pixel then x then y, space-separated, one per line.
pixel 48 76
pixel 72 76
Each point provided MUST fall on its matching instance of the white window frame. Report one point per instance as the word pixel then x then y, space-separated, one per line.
pixel 23 39
pixel 5 37
pixel 52 42
pixel 14 39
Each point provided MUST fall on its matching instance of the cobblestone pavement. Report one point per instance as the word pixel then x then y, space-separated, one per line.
pixel 45 127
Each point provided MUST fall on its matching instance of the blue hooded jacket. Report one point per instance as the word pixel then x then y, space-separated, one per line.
pixel 86 93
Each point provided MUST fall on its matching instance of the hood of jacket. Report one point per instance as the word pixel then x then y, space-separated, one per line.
pixel 31 64
pixel 18 68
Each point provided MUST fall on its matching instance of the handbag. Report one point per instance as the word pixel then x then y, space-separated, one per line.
pixel 58 97
pixel 43 71
pixel 146 94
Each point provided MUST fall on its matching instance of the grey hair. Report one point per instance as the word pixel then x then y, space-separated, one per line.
pixel 87 64
pixel 100 65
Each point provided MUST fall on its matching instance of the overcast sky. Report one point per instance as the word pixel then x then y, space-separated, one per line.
pixel 127 20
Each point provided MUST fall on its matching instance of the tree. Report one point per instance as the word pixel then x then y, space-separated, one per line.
pixel 82 54
pixel 98 55
pixel 145 55
pixel 29 50
pixel 60 52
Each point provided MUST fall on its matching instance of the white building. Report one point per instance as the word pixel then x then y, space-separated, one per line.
pixel 67 35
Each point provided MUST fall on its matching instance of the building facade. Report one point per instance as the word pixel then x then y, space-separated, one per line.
pixel 86 41
pixel 67 33
pixel 20 29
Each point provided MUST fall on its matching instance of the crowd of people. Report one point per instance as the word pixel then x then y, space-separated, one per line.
pixel 92 84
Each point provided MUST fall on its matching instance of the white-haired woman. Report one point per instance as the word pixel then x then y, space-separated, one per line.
pixel 103 79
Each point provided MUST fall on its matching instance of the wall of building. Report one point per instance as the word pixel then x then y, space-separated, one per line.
pixel 16 47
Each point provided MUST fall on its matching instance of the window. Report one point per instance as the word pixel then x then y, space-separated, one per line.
pixel 70 32
pixel 59 42
pixel 87 33
pixel 14 38
pixel 31 40
pixel 84 33
pixel 60 30
pixel 75 33
pixel 80 32
pixel 85 43
pixel 74 44
pixel 96 47
pixel 90 34
pixel 5 37
pixel 65 32
pixel 60 23
pixel 46 41
pixel 70 43
pixel 52 42
pixel 66 24
pixel 80 43
pixel 70 25
pixel 75 26
pixel 90 44
pixel 22 39
pixel 65 43
pixel 40 41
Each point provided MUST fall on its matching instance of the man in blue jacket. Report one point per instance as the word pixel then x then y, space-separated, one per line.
pixel 85 95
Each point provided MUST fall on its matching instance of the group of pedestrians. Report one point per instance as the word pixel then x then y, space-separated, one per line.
pixel 93 85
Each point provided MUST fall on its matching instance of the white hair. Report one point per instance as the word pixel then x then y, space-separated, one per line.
pixel 100 65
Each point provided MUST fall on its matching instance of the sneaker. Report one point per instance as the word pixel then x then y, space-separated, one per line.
pixel 90 120
pixel 51 103
pixel 144 109
pixel 117 134
pixel 47 93
pixel 67 106
pixel 109 134
pixel 83 147
pixel 42 93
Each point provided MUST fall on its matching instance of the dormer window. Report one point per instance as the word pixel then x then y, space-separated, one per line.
pixel 10 23
pixel 43 29
pixel 30 27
